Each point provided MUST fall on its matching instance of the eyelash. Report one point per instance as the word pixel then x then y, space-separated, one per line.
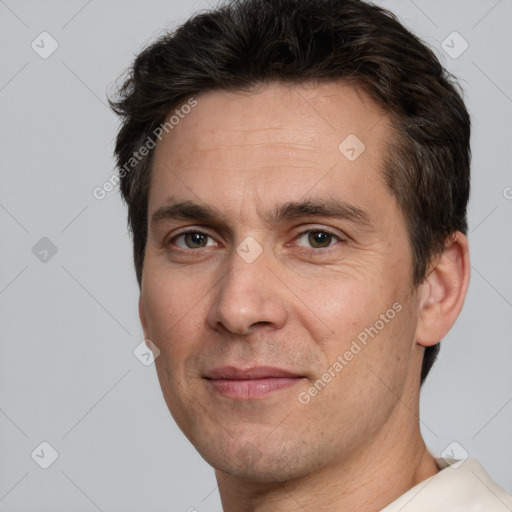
pixel 297 237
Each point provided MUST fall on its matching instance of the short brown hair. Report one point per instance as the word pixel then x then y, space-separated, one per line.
pixel 246 43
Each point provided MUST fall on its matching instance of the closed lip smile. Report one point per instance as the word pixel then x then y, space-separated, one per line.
pixel 250 383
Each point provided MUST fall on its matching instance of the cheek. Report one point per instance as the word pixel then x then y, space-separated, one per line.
pixel 173 310
pixel 175 313
pixel 369 325
pixel 342 304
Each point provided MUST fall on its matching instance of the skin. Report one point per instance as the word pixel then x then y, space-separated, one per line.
pixel 299 305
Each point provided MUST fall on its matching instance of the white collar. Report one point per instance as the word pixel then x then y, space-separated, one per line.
pixel 460 486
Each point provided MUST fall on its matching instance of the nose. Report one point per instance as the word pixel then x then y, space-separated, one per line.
pixel 249 296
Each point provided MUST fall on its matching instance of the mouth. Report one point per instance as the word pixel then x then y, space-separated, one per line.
pixel 250 383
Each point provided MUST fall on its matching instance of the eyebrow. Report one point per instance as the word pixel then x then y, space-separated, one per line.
pixel 292 210
pixel 331 208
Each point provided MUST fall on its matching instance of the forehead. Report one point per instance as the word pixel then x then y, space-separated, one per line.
pixel 280 140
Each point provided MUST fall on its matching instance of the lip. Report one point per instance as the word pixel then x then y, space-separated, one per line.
pixel 250 383
pixel 254 372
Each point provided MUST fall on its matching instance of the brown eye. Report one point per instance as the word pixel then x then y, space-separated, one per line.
pixel 319 239
pixel 193 240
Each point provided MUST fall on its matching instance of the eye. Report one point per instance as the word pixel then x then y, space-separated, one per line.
pixel 193 240
pixel 318 239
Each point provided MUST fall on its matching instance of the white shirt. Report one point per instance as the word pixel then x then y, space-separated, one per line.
pixel 460 486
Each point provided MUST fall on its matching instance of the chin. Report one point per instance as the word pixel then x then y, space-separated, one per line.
pixel 260 464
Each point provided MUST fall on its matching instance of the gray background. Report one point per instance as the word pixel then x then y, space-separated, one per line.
pixel 69 324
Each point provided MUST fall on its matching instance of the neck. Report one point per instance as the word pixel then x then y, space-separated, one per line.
pixel 393 462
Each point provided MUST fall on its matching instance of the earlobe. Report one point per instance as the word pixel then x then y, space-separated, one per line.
pixel 443 292
pixel 143 320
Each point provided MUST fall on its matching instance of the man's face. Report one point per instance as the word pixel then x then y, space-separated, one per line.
pixel 305 253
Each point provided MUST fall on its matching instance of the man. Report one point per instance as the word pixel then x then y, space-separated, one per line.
pixel 297 198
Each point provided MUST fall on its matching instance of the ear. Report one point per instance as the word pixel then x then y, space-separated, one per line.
pixel 143 320
pixel 443 292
